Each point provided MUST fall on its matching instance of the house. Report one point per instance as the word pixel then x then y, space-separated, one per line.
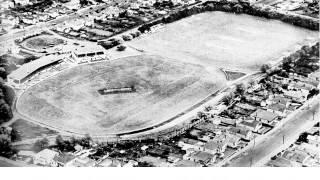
pixel 186 163
pixel 22 2
pixel 186 143
pixel 278 109
pixel 252 125
pixel 81 162
pixel 233 141
pixel 281 162
pixel 203 158
pixel 298 96
pixel 277 99
pixel 253 99
pixel 62 159
pixel 131 163
pixel 314 140
pixel 73 4
pixel 264 116
pixel 157 162
pixel 215 146
pixel 241 132
pixel 296 156
pixel 245 106
pixel 109 162
pixel 156 152
pixel 228 121
pixel 173 157
pixel 315 76
pixel 45 158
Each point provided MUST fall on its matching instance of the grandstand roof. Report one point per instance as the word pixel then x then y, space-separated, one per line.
pixel 28 68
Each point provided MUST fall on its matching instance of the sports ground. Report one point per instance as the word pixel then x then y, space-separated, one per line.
pixel 181 67
pixel 71 101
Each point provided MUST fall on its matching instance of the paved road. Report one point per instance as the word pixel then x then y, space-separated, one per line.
pixel 281 138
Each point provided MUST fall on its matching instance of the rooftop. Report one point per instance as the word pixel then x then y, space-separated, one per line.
pixel 28 68
pixel 263 114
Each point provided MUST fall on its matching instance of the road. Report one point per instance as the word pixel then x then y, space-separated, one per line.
pixel 11 36
pixel 258 153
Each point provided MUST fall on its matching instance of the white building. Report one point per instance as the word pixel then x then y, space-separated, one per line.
pixel 45 157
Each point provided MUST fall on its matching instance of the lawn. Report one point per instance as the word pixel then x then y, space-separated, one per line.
pixel 29 130
pixel 42 41
pixel 225 40
pixel 164 88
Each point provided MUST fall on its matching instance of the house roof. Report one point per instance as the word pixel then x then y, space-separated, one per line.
pixel 277 107
pixel 108 162
pixel 189 141
pixel 252 124
pixel 245 106
pixel 239 130
pixel 202 156
pixel 47 154
pixel 64 158
pixel 296 156
pixel 186 163
pixel 212 145
pixel 83 162
pixel 263 114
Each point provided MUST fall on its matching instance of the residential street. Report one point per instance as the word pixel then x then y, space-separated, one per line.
pixel 280 138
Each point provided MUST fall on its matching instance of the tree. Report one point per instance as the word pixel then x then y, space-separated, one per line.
pixel 121 48
pixel 227 100
pixel 40 145
pixel 86 141
pixel 240 89
pixel 3 73
pixel 252 83
pixel 15 135
pixel 6 149
pixel 61 145
pixel 5 112
pixel 265 67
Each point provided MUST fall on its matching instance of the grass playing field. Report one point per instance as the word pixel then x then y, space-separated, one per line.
pixel 71 101
pixel 219 39
pixel 42 41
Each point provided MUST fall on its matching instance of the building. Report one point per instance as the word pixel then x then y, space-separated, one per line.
pixel 241 132
pixel 88 54
pixel 73 4
pixel 109 162
pixel 45 158
pixel 200 157
pixel 186 143
pixel 264 116
pixel 252 125
pixel 298 96
pixel 216 146
pixel 22 2
pixel 244 106
pixel 63 159
pixel 186 163
pixel 296 156
pixel 278 109
pixel 81 162
pixel 27 70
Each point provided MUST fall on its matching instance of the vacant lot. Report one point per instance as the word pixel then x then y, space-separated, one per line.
pixel 42 41
pixel 218 39
pixel 71 101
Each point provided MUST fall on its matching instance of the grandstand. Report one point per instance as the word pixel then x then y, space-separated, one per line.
pixel 27 70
